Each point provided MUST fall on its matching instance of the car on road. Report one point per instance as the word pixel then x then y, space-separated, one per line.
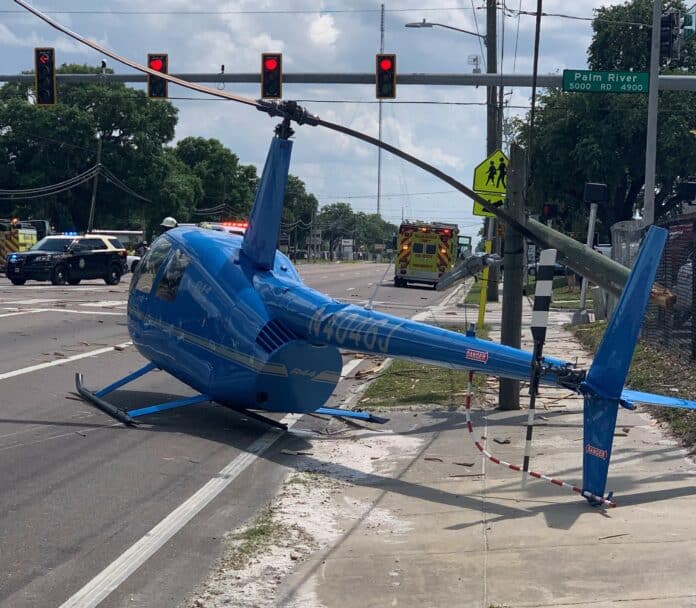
pixel 69 259
pixel 559 270
pixel 132 262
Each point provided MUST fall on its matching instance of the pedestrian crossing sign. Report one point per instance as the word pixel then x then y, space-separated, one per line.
pixel 490 181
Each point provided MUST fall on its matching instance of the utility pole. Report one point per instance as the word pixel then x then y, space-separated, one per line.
pixel 491 135
pixel 90 222
pixel 511 323
pixel 651 136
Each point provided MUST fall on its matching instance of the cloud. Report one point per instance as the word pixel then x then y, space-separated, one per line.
pixel 236 32
pixel 322 30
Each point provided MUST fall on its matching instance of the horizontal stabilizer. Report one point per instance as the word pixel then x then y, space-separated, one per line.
pixel 659 400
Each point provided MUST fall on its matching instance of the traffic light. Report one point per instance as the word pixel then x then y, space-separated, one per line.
pixel 549 211
pixel 271 75
pixel 669 33
pixel 385 85
pixel 157 87
pixel 45 76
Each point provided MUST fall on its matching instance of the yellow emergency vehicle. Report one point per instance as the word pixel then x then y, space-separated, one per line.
pixel 15 236
pixel 424 252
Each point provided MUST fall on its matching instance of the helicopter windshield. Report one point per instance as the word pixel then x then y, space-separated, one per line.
pixel 147 270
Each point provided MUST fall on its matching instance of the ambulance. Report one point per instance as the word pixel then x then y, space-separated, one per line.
pixel 424 252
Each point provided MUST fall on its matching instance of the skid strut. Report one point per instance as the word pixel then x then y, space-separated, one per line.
pixel 127 417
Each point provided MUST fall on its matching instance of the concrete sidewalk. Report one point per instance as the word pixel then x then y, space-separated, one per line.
pixel 440 526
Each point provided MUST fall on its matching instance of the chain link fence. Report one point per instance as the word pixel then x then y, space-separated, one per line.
pixel 670 328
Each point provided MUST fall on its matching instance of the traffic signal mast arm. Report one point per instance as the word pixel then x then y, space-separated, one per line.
pixel 290 110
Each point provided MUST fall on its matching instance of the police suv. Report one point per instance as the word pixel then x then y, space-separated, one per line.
pixel 69 259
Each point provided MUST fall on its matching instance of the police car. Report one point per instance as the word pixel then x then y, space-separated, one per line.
pixel 69 258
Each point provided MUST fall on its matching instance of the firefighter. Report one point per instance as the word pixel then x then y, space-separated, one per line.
pixel 168 223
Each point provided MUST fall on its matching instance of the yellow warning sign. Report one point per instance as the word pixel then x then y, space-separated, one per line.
pixel 493 200
pixel 490 181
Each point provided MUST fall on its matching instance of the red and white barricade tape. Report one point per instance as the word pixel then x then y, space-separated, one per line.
pixel 516 467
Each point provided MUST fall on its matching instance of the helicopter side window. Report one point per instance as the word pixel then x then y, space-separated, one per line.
pixel 172 275
pixel 146 272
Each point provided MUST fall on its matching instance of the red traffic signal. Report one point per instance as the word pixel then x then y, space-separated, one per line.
pixel 549 211
pixel 271 75
pixel 385 85
pixel 45 76
pixel 157 87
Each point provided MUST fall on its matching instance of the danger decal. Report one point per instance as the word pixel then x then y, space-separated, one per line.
pixel 477 355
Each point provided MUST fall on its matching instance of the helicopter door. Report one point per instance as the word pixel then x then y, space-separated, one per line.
pixel 145 276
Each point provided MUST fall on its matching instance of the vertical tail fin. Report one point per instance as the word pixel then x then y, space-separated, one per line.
pixel 605 380
pixel 261 238
pixel 610 365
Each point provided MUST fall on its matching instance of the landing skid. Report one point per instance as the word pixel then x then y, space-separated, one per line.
pixel 127 417
pixel 260 418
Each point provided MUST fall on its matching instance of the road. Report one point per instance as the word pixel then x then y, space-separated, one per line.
pixel 77 490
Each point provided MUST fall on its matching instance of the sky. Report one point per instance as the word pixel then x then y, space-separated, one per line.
pixel 443 125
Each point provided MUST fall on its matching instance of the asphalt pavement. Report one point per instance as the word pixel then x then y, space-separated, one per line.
pixel 86 505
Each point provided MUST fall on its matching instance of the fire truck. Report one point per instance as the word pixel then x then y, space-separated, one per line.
pixel 19 236
pixel 424 252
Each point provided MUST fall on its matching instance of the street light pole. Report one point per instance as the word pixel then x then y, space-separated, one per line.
pixel 493 136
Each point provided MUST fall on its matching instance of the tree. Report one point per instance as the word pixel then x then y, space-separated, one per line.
pixel 300 207
pixel 46 145
pixel 596 137
pixel 223 179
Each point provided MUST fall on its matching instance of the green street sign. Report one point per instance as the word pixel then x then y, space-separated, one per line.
pixel 589 81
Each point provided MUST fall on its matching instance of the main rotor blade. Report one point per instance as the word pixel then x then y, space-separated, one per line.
pixel 448 179
pixel 270 107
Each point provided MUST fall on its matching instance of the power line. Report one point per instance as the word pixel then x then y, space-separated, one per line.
pixel 68 184
pixel 574 17
pixel 396 195
pixel 243 12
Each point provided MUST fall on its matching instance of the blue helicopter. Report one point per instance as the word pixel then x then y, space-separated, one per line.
pixel 230 316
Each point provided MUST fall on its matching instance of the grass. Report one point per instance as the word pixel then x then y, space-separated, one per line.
pixel 251 541
pixel 561 298
pixel 657 371
pixel 407 383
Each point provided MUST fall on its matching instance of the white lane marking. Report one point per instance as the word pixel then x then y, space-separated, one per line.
pixel 59 309
pixel 130 560
pixel 136 555
pixel 21 312
pixel 62 361
pixel 81 312
pixel 33 301
pixel 105 303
